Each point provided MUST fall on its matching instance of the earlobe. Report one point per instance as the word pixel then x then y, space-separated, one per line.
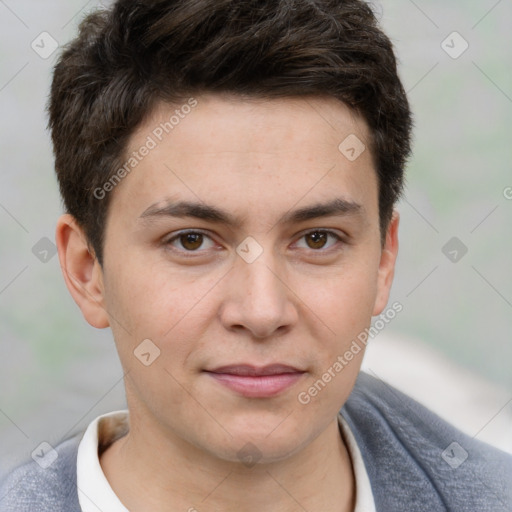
pixel 387 265
pixel 82 272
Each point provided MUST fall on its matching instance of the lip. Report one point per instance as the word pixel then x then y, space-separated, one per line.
pixel 256 381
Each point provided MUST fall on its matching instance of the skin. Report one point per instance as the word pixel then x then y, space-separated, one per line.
pixel 301 302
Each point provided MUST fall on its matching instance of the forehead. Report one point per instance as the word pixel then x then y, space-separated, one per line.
pixel 264 154
pixel 297 120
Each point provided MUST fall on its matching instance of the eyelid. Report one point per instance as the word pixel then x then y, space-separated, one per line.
pixel 168 240
pixel 175 236
pixel 337 236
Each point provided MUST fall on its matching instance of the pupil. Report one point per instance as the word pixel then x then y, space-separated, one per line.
pixel 318 240
pixel 192 240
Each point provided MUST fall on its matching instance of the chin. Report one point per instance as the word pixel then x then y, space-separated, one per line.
pixel 248 453
pixel 262 445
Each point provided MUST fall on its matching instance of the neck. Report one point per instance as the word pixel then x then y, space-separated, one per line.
pixel 146 473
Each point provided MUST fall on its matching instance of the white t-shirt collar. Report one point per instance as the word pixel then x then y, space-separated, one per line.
pixel 96 495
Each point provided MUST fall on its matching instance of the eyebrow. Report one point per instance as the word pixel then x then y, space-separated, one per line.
pixel 335 207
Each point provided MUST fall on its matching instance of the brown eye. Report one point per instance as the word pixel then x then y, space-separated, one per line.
pixel 316 239
pixel 191 241
pixel 319 240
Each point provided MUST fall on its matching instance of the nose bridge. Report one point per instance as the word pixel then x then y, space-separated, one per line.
pixel 263 287
pixel 255 263
pixel 261 302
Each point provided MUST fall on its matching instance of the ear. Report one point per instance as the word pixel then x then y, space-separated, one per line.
pixel 82 272
pixel 387 265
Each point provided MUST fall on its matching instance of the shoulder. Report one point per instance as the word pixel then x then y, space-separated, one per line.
pixel 421 460
pixel 46 486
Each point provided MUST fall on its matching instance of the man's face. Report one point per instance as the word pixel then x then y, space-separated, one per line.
pixel 246 238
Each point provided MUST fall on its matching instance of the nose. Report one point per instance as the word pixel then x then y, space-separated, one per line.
pixel 258 299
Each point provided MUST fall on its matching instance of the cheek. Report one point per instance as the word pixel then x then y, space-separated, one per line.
pixel 345 301
pixel 170 308
pixel 345 306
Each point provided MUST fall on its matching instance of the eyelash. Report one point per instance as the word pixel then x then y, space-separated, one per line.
pixel 195 253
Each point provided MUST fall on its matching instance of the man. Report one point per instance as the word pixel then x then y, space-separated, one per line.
pixel 229 171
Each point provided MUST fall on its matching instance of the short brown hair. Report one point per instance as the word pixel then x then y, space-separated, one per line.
pixel 128 58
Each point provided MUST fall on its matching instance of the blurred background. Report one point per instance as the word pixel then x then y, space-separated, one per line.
pixel 450 346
